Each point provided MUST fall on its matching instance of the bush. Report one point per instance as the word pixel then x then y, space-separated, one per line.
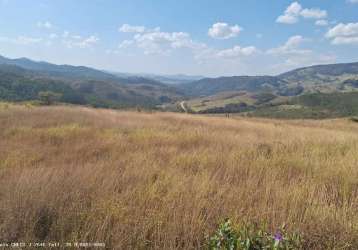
pixel 250 237
pixel 48 97
pixel 354 119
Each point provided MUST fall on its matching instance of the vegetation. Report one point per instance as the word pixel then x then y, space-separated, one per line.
pixel 251 237
pixel 317 106
pixel 48 97
pixel 165 181
pixel 22 80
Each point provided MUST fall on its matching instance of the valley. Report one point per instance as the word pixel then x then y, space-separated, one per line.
pixel 301 93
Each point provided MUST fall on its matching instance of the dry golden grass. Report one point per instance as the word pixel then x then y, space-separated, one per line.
pixel 164 181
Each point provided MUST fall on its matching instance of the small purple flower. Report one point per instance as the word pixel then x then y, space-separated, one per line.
pixel 278 236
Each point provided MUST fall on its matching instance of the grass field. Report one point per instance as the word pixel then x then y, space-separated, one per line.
pixel 165 180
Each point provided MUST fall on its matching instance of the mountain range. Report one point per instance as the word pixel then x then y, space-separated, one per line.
pixel 22 79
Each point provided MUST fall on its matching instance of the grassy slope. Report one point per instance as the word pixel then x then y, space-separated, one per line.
pixel 235 97
pixel 318 105
pixel 138 181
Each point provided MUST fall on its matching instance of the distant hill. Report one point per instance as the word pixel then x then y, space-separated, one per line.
pixel 321 78
pixel 304 92
pixel 212 86
pixel 95 87
pixel 324 78
pixel 312 106
pixel 53 70
pixel 167 79
pixel 247 93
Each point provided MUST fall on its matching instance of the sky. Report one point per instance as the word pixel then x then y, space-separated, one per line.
pixel 201 37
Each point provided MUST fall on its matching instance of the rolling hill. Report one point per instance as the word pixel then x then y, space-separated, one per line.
pixel 324 78
pixel 89 86
pixel 279 96
pixel 217 95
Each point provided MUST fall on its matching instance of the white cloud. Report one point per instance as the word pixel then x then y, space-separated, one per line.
pixel 321 22
pixel 126 28
pixel 25 40
pixel 308 60
pixel 22 40
pixel 313 13
pixel 350 29
pixel 294 11
pixel 353 1
pixel 291 14
pixel 291 47
pixel 163 42
pixel 237 51
pixel 45 25
pixel 224 31
pixel 125 44
pixel 78 41
pixel 343 33
pixel 293 55
pixel 345 40
pixel 154 41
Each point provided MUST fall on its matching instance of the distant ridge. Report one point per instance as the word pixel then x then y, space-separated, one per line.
pixel 308 91
pixel 23 79
pixel 55 70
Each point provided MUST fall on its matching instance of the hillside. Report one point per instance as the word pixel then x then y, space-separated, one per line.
pixel 165 181
pixel 325 78
pixel 277 96
pixel 211 86
pixel 217 95
pixel 336 77
pixel 85 85
pixel 61 71
pixel 312 106
pixel 167 79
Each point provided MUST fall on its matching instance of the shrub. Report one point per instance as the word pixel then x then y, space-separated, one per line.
pixel 250 237
pixel 48 97
pixel 354 119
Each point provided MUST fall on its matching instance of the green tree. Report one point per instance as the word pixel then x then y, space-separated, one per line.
pixel 48 97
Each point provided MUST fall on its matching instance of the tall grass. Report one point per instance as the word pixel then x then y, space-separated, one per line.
pixel 165 181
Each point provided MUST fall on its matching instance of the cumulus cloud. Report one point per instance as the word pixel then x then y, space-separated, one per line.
pixel 78 41
pixel 45 25
pixel 237 51
pixel 155 41
pixel 126 28
pixel 22 40
pixel 312 59
pixel 291 47
pixel 313 13
pixel 291 14
pixel 343 33
pixel 224 31
pixel 163 42
pixel 295 11
pixel 321 22
pixel 125 44
pixel 293 55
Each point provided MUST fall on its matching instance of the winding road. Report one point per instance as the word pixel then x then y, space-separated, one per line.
pixel 182 105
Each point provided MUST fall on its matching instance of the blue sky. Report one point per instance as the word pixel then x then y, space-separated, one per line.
pixel 212 37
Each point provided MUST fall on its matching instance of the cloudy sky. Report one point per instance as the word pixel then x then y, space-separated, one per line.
pixel 201 37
